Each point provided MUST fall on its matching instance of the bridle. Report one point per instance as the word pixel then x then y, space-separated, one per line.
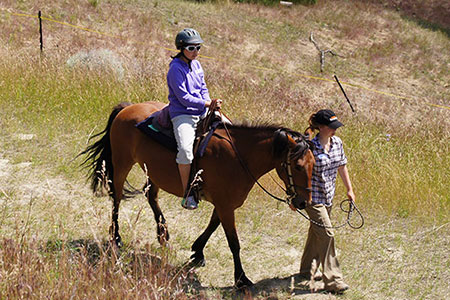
pixel 290 188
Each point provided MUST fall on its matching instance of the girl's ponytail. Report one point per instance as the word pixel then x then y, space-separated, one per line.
pixel 313 126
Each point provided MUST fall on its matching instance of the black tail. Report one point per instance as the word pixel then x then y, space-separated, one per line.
pixel 99 158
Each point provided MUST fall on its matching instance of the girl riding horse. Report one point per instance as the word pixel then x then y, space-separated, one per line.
pixel 188 103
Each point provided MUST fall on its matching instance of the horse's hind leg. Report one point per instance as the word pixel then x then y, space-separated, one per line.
pixel 198 258
pixel 120 174
pixel 161 226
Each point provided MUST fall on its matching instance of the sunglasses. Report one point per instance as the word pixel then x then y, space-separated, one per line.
pixel 193 48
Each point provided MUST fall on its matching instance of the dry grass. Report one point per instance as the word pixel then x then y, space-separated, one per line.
pixel 398 149
pixel 83 269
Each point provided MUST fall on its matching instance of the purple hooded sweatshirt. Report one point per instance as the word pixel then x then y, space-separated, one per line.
pixel 187 88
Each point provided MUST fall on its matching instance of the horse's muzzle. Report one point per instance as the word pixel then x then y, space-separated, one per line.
pixel 299 202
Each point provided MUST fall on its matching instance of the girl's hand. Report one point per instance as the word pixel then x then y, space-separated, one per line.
pixel 351 195
pixel 219 103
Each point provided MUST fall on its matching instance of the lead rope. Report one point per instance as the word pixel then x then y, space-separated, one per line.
pixel 349 212
pixel 352 205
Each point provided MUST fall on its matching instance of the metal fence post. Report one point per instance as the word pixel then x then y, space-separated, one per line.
pixel 40 32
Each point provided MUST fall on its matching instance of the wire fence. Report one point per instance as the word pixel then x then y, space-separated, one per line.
pixel 399 97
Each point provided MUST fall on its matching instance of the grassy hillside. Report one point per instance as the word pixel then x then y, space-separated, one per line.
pixel 261 62
pixel 434 14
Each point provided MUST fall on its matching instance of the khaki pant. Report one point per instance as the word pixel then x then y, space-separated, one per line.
pixel 320 246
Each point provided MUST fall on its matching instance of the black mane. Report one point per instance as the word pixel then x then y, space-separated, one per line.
pixel 263 126
pixel 281 134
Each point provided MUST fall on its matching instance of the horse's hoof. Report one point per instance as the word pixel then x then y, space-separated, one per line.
pixel 118 242
pixel 163 239
pixel 197 262
pixel 244 284
pixel 163 234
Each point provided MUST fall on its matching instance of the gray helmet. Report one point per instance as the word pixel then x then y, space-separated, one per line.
pixel 187 36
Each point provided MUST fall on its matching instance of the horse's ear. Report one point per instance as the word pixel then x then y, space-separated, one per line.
pixel 309 133
pixel 280 141
pixel 292 141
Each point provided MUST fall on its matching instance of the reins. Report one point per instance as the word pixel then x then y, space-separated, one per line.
pixel 349 212
pixel 245 166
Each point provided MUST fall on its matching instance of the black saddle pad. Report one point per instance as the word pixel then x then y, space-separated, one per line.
pixel 164 136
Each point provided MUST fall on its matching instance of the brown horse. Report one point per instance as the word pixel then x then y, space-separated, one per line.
pixel 235 158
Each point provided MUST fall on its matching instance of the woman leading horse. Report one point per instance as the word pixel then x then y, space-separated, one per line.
pixel 235 157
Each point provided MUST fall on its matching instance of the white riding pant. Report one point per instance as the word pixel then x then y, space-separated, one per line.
pixel 184 127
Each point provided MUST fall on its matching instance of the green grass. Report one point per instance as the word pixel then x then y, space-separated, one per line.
pixel 397 149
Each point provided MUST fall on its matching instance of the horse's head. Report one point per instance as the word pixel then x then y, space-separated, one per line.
pixel 296 165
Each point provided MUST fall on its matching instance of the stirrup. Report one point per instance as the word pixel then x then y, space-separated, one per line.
pixel 189 202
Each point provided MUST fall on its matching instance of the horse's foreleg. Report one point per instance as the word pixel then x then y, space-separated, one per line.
pixel 198 258
pixel 229 226
pixel 161 226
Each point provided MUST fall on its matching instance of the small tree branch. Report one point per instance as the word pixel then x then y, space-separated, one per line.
pixel 311 38
pixel 322 52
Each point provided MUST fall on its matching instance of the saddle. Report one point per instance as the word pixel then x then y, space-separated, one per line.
pixel 158 126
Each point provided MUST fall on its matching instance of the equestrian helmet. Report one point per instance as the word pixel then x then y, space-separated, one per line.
pixel 187 36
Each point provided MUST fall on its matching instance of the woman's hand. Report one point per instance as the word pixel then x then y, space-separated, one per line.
pixel 218 103
pixel 343 172
pixel 351 195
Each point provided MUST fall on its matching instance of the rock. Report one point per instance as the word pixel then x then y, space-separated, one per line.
pixel 25 137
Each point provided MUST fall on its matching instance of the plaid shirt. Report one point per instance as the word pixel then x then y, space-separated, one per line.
pixel 325 170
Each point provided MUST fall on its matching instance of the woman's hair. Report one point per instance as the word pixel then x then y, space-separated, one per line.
pixel 181 54
pixel 313 126
pixel 178 55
